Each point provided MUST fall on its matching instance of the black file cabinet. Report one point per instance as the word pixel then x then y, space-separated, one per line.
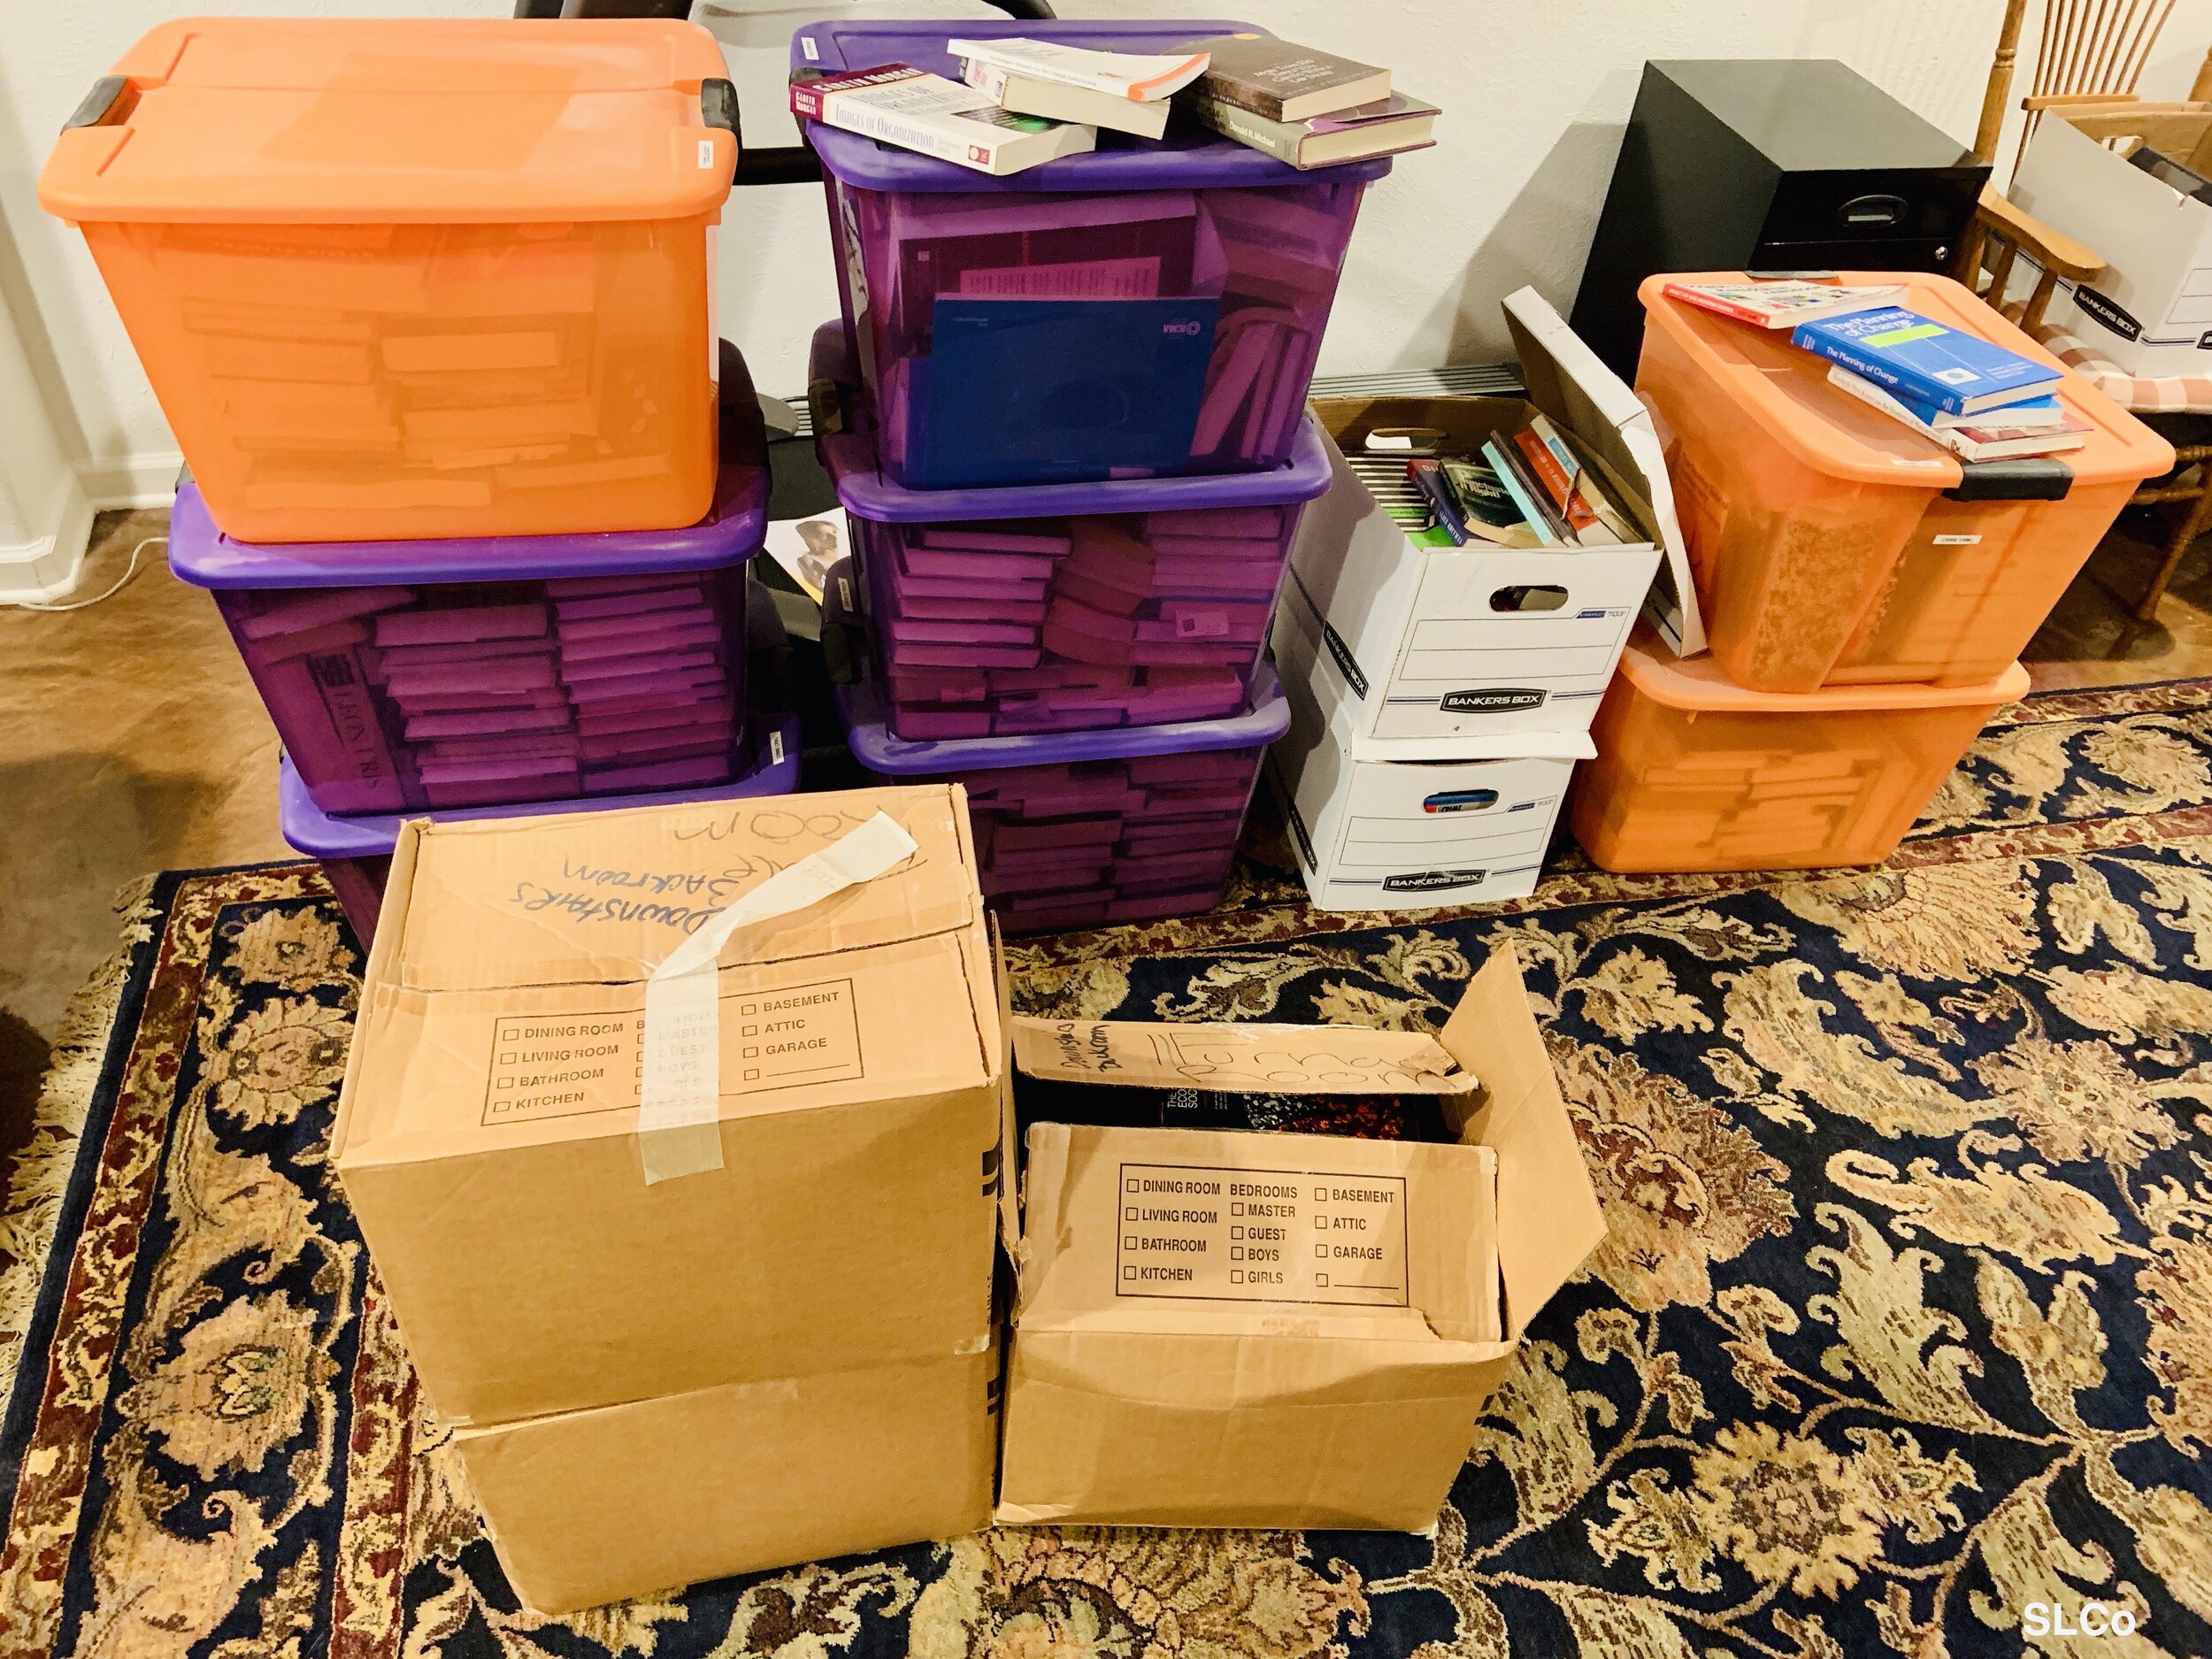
pixel 1768 165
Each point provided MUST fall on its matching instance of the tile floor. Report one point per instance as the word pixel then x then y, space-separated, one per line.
pixel 136 743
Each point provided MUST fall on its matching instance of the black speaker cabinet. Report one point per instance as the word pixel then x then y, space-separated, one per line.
pixel 1771 166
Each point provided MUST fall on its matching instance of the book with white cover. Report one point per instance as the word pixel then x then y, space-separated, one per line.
pixel 932 116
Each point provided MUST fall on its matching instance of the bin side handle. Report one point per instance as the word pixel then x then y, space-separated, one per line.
pixel 2035 477
pixel 98 106
pixel 717 107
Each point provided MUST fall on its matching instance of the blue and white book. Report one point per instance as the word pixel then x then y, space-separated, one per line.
pixel 1509 476
pixel 2040 413
pixel 1952 372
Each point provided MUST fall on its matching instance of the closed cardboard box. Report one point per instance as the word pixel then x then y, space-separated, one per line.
pixel 1399 823
pixel 1221 1329
pixel 782 1355
pixel 585 1507
pixel 1480 641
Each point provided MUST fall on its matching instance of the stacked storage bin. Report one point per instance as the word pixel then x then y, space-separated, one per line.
pixel 1066 414
pixel 427 304
pixel 1441 695
pixel 1865 596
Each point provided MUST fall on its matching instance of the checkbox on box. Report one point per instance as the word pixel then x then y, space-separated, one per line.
pixel 1236 1253
pixel 750 1031
pixel 1236 1232
pixel 1235 1276
pixel 507 1059
pixel 1128 1273
pixel 1321 1251
pixel 1236 1210
pixel 750 1053
pixel 1320 1221
pixel 1322 1280
pixel 1129 1186
pixel 752 1074
pixel 749 1008
pixel 1129 1242
pixel 506 1082
pixel 1320 1194
pixel 1129 1214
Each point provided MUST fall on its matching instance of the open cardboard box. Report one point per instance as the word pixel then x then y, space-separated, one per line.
pixel 1460 643
pixel 2150 311
pixel 1222 1329
pixel 786 1356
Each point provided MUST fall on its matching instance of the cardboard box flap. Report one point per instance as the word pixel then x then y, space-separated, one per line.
pixel 1548 1215
pixel 602 897
pixel 1568 383
pixel 1252 1059
pixel 1238 1372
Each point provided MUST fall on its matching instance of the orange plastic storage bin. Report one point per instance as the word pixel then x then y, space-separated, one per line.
pixel 1823 546
pixel 415 279
pixel 1695 772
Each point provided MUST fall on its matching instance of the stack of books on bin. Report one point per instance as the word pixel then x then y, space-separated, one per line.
pixel 1019 102
pixel 1061 599
pixel 1979 400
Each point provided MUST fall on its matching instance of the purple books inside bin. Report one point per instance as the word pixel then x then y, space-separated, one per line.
pixel 1083 252
pixel 1064 607
pixel 1084 829
pixel 406 675
pixel 357 852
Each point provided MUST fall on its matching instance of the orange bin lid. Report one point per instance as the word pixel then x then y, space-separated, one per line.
pixel 1700 685
pixel 1786 390
pixel 339 120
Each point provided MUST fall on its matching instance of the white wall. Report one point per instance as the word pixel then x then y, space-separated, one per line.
pixel 1535 94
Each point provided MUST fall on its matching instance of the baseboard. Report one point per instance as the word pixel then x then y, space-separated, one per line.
pixel 37 573
pixel 147 480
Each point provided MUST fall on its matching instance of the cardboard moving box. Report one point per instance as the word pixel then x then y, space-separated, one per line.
pixel 1220 1329
pixel 784 1356
pixel 587 1507
pixel 1479 640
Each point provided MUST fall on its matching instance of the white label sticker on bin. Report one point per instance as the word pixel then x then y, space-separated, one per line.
pixel 806 45
pixel 775 749
pixel 679 1107
pixel 706 152
pixel 1958 540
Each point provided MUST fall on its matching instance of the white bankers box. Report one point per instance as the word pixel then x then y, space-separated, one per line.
pixel 1390 824
pixel 1478 641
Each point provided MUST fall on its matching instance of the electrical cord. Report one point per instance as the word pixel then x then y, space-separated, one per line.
pixel 121 582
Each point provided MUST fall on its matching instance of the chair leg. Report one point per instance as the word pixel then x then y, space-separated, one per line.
pixel 2192 523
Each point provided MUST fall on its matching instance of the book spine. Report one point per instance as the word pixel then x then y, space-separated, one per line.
pixel 1868 366
pixel 1430 479
pixel 1511 484
pixel 978 152
pixel 1281 140
pixel 1554 479
pixel 1240 94
pixel 1704 301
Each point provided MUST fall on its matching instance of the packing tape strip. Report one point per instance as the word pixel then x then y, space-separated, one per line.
pixel 680 1110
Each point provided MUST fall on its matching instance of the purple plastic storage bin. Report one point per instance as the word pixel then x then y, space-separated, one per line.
pixel 1084 829
pixel 357 852
pixel 412 675
pixel 1064 607
pixel 1147 308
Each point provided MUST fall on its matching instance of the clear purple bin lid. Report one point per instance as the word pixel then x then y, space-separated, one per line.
pixel 730 533
pixel 865 490
pixel 1187 159
pixel 772 768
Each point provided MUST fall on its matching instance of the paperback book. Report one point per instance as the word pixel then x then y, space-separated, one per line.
pixel 1992 438
pixel 932 116
pixel 1386 127
pixel 1125 91
pixel 1782 303
pixel 1283 81
pixel 1906 352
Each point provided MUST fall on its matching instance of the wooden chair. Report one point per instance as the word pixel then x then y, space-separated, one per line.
pixel 2091 51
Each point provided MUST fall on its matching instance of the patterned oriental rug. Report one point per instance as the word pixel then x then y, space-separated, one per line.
pixel 1901 1342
